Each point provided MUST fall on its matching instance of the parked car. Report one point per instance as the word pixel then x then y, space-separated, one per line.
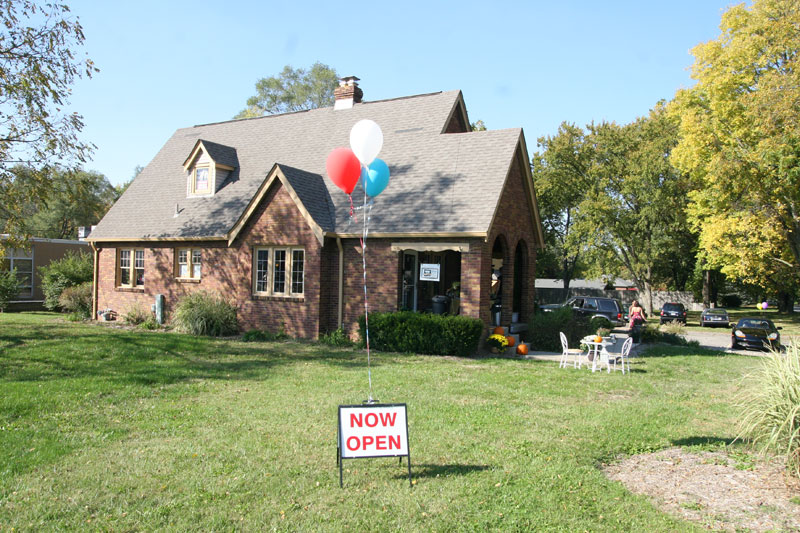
pixel 755 332
pixel 673 312
pixel 591 306
pixel 714 317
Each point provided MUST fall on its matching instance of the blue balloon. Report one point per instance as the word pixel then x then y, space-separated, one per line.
pixel 376 177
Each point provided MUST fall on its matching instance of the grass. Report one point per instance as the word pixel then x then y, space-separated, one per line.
pixel 110 429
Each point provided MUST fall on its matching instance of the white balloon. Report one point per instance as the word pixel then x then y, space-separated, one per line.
pixel 366 141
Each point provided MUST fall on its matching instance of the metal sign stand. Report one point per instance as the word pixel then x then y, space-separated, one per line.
pixel 340 456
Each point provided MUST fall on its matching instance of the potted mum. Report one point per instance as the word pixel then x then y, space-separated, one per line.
pixel 497 343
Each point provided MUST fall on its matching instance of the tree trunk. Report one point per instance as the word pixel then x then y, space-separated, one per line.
pixel 785 302
pixel 706 289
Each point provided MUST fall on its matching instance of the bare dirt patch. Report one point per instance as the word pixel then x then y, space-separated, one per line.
pixel 717 489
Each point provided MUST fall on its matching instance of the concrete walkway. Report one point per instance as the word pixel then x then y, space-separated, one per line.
pixel 616 348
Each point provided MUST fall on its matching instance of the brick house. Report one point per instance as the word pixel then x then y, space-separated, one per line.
pixel 245 208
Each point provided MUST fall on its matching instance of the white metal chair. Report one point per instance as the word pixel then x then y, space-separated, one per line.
pixel 566 352
pixel 624 356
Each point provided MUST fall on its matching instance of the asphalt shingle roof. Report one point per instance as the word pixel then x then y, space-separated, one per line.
pixel 439 182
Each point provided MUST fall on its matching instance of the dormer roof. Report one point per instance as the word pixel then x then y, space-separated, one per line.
pixel 223 157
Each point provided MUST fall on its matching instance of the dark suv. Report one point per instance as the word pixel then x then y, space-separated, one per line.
pixel 591 306
pixel 673 312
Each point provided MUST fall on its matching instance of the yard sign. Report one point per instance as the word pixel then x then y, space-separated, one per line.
pixel 373 430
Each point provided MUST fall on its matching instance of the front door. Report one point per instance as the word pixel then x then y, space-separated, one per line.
pixel 410 275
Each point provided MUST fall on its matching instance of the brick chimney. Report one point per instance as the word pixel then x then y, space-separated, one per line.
pixel 347 93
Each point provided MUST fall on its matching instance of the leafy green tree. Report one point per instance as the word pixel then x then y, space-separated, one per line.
pixel 478 125
pixel 38 65
pixel 562 177
pixel 292 90
pixel 633 214
pixel 74 198
pixel 740 141
pixel 122 187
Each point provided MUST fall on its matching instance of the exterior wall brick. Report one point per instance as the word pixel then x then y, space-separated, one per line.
pixel 229 271
pixel 278 222
pixel 514 225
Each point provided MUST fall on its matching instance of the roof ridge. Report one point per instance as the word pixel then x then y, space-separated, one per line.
pixel 315 109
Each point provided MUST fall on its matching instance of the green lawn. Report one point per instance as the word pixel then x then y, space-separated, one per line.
pixel 108 429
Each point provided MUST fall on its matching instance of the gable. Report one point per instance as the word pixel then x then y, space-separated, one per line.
pixel 275 182
pixel 208 166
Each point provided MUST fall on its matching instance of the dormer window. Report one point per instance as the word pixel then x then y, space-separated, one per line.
pixel 201 181
pixel 207 167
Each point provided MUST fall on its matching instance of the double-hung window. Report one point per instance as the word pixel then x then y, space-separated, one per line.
pixel 189 263
pixel 130 267
pixel 201 177
pixel 278 271
pixel 22 262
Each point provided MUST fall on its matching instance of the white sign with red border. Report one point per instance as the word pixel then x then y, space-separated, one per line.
pixel 373 431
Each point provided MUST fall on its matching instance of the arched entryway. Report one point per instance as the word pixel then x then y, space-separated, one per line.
pixel 499 259
pixel 519 304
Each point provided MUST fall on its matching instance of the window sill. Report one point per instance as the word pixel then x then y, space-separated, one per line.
pixel 269 298
pixel 129 289
pixel 187 280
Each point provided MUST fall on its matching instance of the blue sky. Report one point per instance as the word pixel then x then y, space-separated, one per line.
pixel 172 63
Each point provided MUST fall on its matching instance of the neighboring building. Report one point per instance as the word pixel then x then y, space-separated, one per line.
pixel 245 208
pixel 27 262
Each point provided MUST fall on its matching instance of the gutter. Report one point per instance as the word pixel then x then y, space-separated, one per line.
pixel 95 269
pixel 341 282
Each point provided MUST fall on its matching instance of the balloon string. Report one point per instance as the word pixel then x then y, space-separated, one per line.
pixel 352 209
pixel 366 301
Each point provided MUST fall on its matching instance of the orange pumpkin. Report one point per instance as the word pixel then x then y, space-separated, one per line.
pixel 511 341
pixel 598 339
pixel 499 330
pixel 522 349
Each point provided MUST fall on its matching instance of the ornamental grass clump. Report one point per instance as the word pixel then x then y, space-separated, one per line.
pixel 770 407
pixel 201 313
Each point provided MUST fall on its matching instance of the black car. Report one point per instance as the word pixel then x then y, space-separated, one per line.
pixel 714 317
pixel 671 312
pixel 755 332
pixel 591 306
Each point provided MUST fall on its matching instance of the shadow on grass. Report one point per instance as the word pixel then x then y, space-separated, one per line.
pixel 429 470
pixel 703 441
pixel 36 353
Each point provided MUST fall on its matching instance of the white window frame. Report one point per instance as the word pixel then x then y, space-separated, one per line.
pixel 131 268
pixel 270 279
pixel 190 264
pixel 12 256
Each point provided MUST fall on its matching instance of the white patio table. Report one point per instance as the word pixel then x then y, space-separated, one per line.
pixel 598 351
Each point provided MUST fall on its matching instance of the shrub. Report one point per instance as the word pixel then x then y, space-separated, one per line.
pixel 136 315
pixel 77 299
pixel 9 287
pixel 150 323
pixel 337 337
pixel 201 313
pixel 72 269
pixel 652 334
pixel 600 322
pixel 769 405
pixel 730 300
pixel 410 332
pixel 543 329
pixel 257 335
pixel 674 327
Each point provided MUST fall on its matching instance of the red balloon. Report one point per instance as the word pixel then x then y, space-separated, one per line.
pixel 343 168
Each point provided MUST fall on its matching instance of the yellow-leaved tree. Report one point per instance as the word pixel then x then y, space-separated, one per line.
pixel 740 142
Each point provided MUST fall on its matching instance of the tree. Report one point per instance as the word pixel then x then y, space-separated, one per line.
pixel 292 90
pixel 122 187
pixel 561 176
pixel 75 198
pixel 633 214
pixel 38 66
pixel 478 125
pixel 740 142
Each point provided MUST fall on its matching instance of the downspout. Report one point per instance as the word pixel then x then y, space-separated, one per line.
pixel 341 281
pixel 94 281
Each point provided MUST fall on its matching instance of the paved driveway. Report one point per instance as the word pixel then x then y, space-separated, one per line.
pixel 716 339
